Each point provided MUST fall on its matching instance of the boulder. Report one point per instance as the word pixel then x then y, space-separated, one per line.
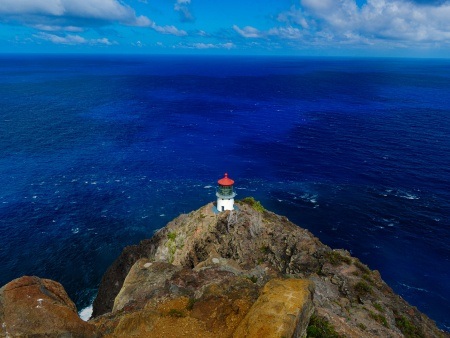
pixel 283 310
pixel 31 306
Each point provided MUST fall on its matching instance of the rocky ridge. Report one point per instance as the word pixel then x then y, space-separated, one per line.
pixel 245 273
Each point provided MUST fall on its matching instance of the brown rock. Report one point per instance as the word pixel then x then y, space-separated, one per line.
pixel 261 246
pixel 144 281
pixel 30 306
pixel 282 310
pixel 114 277
pixel 216 312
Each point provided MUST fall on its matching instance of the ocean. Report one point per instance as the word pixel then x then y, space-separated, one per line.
pixel 98 152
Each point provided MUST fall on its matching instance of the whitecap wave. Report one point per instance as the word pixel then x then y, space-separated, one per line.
pixel 409 287
pixel 399 193
pixel 86 313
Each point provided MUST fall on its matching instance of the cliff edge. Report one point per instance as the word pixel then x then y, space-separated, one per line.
pixel 244 250
pixel 241 273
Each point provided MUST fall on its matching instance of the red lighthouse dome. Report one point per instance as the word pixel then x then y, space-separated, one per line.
pixel 225 181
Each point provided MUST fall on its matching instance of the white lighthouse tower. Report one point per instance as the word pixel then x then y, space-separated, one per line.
pixel 225 194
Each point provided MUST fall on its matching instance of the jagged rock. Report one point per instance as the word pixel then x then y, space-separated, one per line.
pixel 213 304
pixel 282 310
pixel 144 281
pixel 35 307
pixel 114 277
pixel 262 246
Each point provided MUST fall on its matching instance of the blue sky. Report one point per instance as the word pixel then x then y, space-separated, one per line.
pixel 280 27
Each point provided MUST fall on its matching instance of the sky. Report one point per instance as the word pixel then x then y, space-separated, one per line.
pixel 413 28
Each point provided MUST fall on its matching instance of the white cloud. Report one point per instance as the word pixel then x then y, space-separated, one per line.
pixel 73 39
pixel 279 32
pixel 286 32
pixel 293 16
pixel 248 32
pixel 53 28
pixel 74 15
pixel 386 23
pixel 100 11
pixel 137 44
pixel 380 19
pixel 202 33
pixel 168 30
pixel 202 45
pixel 182 6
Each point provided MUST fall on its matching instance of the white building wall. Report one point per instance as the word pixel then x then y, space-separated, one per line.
pixel 225 204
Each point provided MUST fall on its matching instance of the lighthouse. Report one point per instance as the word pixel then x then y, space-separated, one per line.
pixel 225 194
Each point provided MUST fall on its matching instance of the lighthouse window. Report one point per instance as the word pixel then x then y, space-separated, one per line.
pixel 225 190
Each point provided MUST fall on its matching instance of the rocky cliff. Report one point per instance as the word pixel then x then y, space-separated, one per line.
pixel 245 273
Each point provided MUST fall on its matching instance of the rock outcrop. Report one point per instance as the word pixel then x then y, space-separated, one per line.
pixel 245 273
pixel 30 306
pixel 203 251
pixel 285 304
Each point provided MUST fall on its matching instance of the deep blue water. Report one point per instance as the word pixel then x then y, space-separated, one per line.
pixel 97 152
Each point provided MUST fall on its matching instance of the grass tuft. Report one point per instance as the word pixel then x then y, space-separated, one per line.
pixel 253 203
pixel 335 258
pixel 362 288
pixel 319 327
pixel 172 236
pixel 362 267
pixel 407 328
pixel 379 318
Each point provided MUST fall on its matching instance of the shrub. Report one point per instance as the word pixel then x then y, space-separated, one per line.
pixel 253 203
pixel 407 328
pixel 264 249
pixel 367 278
pixel 172 235
pixel 362 288
pixel 254 279
pixel 319 327
pixel 379 318
pixel 362 267
pixel 378 307
pixel 335 258
pixel 176 313
pixel 362 326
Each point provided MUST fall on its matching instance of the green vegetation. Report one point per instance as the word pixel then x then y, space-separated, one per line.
pixel 362 288
pixel 407 328
pixel 379 318
pixel 254 279
pixel 367 278
pixel 264 249
pixel 378 307
pixel 362 267
pixel 190 304
pixel 319 327
pixel 335 258
pixel 253 203
pixel 171 245
pixel 362 326
pixel 176 313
